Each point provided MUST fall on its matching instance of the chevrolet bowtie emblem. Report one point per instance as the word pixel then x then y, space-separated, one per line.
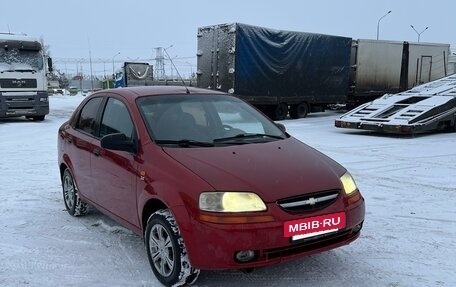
pixel 312 201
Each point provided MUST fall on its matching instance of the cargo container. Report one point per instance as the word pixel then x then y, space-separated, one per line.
pixel 284 72
pixel 277 71
pixel 386 67
pixel 134 74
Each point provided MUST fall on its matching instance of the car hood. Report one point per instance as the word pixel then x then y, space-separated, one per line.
pixel 273 170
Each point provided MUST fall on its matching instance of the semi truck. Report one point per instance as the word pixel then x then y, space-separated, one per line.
pixel 288 72
pixel 23 77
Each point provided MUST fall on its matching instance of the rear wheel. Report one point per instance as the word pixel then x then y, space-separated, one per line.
pixel 167 252
pixel 299 111
pixel 73 203
pixel 280 112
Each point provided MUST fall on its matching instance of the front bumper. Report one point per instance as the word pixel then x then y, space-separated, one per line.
pixel 213 246
pixel 35 104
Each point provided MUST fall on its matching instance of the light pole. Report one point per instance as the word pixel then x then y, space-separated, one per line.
pixel 378 23
pixel 418 33
pixel 113 73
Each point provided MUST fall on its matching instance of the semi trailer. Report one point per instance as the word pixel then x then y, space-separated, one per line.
pixel 288 72
pixel 277 71
pixel 425 108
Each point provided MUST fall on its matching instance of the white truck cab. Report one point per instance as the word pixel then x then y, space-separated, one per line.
pixel 23 81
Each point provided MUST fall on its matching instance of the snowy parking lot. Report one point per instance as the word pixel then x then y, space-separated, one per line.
pixel 409 236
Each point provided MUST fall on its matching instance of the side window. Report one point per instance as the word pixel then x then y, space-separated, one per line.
pixel 116 119
pixel 88 117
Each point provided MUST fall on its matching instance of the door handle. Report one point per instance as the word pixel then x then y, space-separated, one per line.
pixel 96 152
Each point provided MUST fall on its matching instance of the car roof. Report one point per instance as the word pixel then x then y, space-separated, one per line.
pixel 135 92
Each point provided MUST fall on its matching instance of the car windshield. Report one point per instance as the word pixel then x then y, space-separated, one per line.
pixel 205 121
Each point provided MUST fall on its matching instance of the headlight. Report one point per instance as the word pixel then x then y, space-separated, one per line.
pixel 349 183
pixel 231 202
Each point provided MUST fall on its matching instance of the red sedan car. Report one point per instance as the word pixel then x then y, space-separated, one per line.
pixel 209 181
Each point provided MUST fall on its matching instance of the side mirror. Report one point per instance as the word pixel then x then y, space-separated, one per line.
pixel 281 127
pixel 118 141
pixel 49 61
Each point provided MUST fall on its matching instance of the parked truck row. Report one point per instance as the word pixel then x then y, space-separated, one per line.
pixel 23 77
pixel 287 72
pixel 281 72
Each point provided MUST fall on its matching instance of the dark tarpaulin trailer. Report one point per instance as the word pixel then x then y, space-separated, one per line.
pixel 274 69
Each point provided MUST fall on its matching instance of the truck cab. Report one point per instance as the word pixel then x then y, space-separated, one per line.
pixel 23 81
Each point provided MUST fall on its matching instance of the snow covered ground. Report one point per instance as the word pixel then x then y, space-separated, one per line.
pixel 409 237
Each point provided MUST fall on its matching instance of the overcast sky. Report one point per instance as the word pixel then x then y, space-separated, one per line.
pixel 135 27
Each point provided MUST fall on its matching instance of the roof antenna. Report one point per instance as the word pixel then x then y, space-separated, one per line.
pixel 180 77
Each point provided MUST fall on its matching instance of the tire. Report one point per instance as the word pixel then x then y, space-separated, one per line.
pixel 280 112
pixel 38 118
pixel 166 251
pixel 299 111
pixel 73 202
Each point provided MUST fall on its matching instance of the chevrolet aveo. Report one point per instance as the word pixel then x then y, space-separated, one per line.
pixel 206 179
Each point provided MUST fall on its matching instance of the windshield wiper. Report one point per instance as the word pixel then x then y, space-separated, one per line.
pixel 19 70
pixel 24 70
pixel 185 143
pixel 247 136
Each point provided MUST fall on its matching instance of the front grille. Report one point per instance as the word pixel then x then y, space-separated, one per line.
pixel 19 99
pixel 17 83
pixel 308 202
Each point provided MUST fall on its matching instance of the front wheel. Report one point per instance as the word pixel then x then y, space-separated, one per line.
pixel 166 251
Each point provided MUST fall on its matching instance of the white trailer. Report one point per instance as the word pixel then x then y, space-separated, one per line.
pixel 425 108
pixel 23 81
pixel 381 67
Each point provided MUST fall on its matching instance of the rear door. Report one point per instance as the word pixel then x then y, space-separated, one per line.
pixel 82 142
